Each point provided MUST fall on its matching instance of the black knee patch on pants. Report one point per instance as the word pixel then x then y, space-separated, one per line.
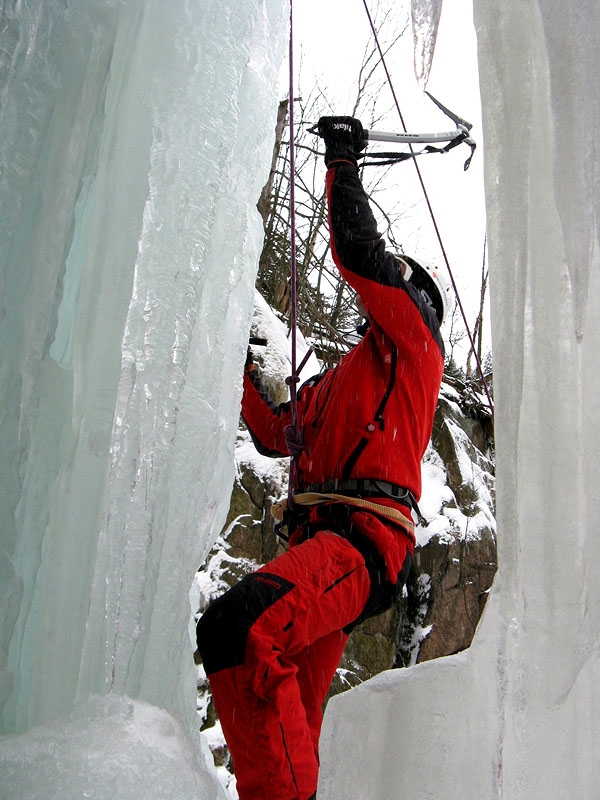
pixel 222 631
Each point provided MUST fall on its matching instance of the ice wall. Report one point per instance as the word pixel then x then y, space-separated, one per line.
pixel 134 140
pixel 516 716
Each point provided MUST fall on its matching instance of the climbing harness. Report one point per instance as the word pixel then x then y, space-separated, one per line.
pixel 369 488
pixel 358 493
pixel 279 510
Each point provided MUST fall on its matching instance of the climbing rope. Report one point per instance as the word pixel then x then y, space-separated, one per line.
pixel 430 208
pixel 292 431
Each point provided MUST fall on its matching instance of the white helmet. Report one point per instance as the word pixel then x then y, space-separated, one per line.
pixel 435 288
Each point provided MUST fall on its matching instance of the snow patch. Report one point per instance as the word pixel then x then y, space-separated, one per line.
pixel 108 748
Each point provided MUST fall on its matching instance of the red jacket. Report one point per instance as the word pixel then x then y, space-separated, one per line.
pixel 372 415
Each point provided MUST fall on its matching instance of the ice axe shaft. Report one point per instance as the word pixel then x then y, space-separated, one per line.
pixel 413 138
pixel 463 128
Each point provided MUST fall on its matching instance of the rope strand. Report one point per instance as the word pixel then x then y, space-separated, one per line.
pixel 293 379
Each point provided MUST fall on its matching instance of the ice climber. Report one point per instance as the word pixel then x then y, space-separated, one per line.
pixel 272 643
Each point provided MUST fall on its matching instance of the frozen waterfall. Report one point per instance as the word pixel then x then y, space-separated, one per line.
pixel 135 138
pixel 517 715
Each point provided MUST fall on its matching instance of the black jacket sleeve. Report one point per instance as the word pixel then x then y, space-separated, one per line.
pixel 359 252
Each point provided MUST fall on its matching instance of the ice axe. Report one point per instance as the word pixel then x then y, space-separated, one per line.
pixel 452 138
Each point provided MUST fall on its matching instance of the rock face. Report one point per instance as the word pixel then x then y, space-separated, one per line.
pixel 250 521
pixel 454 572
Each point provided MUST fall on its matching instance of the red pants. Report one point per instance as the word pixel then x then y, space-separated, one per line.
pixel 271 646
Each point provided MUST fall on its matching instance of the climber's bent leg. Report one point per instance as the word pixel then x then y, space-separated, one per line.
pixel 316 666
pixel 249 639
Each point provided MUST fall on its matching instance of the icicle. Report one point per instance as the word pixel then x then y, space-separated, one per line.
pixel 576 170
pixel 425 20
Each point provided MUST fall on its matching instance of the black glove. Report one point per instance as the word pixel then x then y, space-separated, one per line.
pixel 344 138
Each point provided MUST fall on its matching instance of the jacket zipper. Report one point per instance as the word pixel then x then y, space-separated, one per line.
pixel 357 452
